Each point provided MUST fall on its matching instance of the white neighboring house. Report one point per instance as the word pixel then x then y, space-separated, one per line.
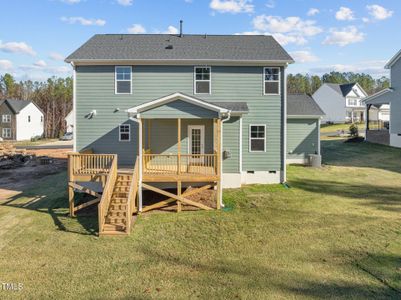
pixel 70 122
pixel 20 120
pixel 342 103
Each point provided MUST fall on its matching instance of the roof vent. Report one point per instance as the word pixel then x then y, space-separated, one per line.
pixel 169 47
pixel 181 33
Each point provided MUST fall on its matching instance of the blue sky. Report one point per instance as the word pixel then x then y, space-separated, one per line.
pixel 357 36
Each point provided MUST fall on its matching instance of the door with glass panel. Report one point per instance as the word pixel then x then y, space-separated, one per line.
pixel 196 143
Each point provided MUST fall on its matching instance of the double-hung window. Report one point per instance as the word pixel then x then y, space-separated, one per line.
pixel 123 80
pixel 6 133
pixel 125 133
pixel 6 119
pixel 202 80
pixel 271 78
pixel 257 138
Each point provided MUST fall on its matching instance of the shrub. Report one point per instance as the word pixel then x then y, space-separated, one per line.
pixel 353 130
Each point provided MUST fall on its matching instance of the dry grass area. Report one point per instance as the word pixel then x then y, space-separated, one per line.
pixel 336 233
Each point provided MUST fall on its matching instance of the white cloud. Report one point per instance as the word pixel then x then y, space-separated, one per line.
pixel 136 28
pixel 270 4
pixel 83 21
pixel 40 63
pixel 17 47
pixel 374 68
pixel 286 30
pixel 312 12
pixel 5 65
pixel 232 6
pixel 171 30
pixel 379 12
pixel 71 1
pixel 125 2
pixel 345 14
pixel 344 36
pixel 56 56
pixel 304 56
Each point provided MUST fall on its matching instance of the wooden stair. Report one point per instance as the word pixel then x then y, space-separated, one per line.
pixel 116 217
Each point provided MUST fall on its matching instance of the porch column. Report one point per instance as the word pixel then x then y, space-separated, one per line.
pixel 179 162
pixel 140 146
pixel 219 163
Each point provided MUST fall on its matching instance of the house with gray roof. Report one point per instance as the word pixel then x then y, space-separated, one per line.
pixel 20 120
pixel 188 109
pixel 388 133
pixel 342 103
pixel 303 128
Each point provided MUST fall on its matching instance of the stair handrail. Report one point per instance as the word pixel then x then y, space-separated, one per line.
pixel 133 190
pixel 104 203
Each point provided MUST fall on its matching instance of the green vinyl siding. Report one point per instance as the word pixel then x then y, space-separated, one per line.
pixel 179 109
pixel 302 137
pixel 231 143
pixel 95 91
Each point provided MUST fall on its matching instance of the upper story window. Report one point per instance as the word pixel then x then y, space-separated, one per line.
pixel 271 82
pixel 257 138
pixel 123 80
pixel 125 133
pixel 202 80
pixel 6 119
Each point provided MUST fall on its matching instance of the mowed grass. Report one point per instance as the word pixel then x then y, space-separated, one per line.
pixel 336 233
pixel 328 128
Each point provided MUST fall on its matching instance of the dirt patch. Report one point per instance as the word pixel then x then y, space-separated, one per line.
pixel 14 181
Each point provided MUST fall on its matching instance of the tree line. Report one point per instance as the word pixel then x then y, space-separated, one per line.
pixel 307 84
pixel 54 96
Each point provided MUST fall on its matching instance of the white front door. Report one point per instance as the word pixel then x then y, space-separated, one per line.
pixel 196 139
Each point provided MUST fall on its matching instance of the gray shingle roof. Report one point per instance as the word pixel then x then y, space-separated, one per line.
pixel 235 107
pixel 342 89
pixel 188 47
pixel 17 105
pixel 302 105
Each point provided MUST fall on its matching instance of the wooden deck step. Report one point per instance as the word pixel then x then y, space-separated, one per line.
pixel 113 227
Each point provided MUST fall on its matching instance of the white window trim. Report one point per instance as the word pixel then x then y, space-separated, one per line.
pixel 129 133
pixel 250 138
pixel 115 80
pixel 264 80
pixel 201 80
pixel 4 117
pixel 6 136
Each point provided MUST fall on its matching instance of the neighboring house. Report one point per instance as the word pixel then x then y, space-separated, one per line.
pixel 69 122
pixel 390 99
pixel 20 120
pixel 303 128
pixel 342 103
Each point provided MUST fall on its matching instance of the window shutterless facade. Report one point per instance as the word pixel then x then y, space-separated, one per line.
pixel 123 79
pixel 202 80
pixel 257 138
pixel 125 133
pixel 6 119
pixel 6 133
pixel 271 81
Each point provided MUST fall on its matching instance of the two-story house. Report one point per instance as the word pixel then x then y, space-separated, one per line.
pixel 390 98
pixel 20 120
pixel 189 112
pixel 342 103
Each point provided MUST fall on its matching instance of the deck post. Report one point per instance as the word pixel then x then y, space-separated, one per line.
pixel 179 146
pixel 140 165
pixel 149 133
pixel 70 188
pixel 219 164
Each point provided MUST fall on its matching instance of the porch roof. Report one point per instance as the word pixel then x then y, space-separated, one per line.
pixel 379 98
pixel 222 108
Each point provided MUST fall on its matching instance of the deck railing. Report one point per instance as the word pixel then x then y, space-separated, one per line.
pixel 201 164
pixel 89 164
pixel 104 204
pixel 133 190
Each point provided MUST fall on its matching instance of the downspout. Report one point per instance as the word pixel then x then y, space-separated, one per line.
pixel 284 174
pixel 136 119
pixel 221 156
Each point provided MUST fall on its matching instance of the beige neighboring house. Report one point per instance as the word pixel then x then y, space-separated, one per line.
pixel 70 122
pixel 20 120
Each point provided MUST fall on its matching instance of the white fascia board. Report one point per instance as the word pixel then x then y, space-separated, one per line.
pixel 174 97
pixel 188 62
pixel 393 60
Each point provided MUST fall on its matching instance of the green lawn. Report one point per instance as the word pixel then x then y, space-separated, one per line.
pixel 336 233
pixel 326 128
